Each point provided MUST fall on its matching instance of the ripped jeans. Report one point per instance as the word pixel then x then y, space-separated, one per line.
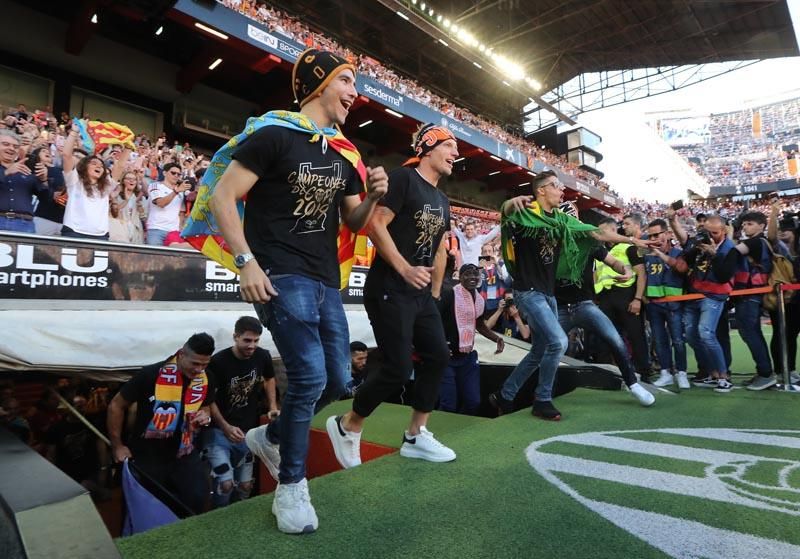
pixel 230 462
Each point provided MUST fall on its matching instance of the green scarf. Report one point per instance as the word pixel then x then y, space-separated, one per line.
pixel 575 236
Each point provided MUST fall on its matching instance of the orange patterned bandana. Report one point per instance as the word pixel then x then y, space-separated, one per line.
pixel 429 137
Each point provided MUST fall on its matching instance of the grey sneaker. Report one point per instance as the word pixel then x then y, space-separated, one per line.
pixel 762 383
pixel 269 453
pixel 293 509
pixel 794 377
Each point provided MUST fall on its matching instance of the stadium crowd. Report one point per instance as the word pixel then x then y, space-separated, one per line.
pixel 750 146
pixel 292 28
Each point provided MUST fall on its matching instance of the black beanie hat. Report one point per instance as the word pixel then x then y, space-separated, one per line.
pixel 313 70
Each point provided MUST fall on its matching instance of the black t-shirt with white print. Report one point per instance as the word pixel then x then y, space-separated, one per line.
pixel 422 215
pixel 292 213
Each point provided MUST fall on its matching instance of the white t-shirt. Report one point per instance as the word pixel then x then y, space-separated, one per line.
pixel 84 214
pixel 471 248
pixel 168 217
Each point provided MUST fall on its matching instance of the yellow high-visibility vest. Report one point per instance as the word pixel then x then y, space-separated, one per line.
pixel 605 274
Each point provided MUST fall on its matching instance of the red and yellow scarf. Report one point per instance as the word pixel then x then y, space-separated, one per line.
pixel 169 405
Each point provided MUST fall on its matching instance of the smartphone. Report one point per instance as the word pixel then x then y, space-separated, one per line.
pixel 677 205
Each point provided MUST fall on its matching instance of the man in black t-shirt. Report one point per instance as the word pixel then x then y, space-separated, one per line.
pixel 407 230
pixel 298 183
pixel 537 249
pixel 577 309
pixel 172 399
pixel 242 375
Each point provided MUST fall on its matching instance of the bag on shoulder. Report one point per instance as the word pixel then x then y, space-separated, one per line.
pixel 782 273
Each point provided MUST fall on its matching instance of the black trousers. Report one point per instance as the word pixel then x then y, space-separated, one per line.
pixel 186 478
pixel 403 324
pixel 792 330
pixel 614 303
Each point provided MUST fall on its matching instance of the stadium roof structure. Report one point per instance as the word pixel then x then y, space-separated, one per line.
pixel 555 42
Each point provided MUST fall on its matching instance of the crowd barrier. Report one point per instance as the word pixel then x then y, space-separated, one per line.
pixel 779 289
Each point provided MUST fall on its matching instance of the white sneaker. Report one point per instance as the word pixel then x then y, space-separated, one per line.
pixel 683 380
pixel 664 379
pixel 269 453
pixel 346 445
pixel 293 509
pixel 642 394
pixel 426 447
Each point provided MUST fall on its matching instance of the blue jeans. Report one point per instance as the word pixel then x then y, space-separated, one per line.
pixel 229 462
pixel 156 237
pixel 460 390
pixel 309 328
pixel 700 319
pixel 748 317
pixel 588 316
pixel 666 326
pixel 549 343
pixel 17 224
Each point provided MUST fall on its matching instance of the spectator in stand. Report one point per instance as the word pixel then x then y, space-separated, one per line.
pixel 49 213
pixel 18 184
pixel 127 212
pixel 42 417
pixel 89 187
pixel 470 243
pixel 166 205
pixel 462 317
pixel 244 378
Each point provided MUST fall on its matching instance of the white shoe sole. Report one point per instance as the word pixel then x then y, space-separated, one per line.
pixel 333 434
pixel 411 452
pixel 255 448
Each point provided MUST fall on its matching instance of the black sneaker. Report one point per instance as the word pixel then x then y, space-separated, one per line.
pixel 546 410
pixel 499 403
pixel 707 382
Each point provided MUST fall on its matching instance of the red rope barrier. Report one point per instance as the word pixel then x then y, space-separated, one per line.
pixel 736 293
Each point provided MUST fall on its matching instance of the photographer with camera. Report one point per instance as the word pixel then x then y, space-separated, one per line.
pixel 166 204
pixel 506 319
pixel 710 261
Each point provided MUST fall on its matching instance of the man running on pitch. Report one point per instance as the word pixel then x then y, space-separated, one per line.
pixel 299 174
pixel 407 230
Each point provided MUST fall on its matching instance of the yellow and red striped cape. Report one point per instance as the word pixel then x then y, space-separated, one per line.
pixel 201 230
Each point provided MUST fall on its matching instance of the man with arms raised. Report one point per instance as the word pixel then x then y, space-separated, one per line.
pixel 541 244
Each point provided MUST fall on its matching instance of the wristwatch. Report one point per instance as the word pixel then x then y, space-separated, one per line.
pixel 241 259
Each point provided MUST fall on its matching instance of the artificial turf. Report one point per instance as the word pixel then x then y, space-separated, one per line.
pixel 491 502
